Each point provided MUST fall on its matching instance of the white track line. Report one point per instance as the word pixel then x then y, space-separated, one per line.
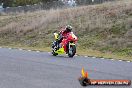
pixel 102 58
pixel 128 61
pixel 29 50
pixel 38 51
pixel 120 60
pixel 111 59
pixel 75 55
pixel 93 57
pixel 20 49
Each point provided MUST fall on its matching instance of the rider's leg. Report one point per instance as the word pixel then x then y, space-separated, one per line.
pixel 59 41
pixel 67 47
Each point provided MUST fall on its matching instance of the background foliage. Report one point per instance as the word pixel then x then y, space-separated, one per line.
pixel 14 3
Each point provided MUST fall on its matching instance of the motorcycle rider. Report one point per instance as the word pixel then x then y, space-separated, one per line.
pixel 63 34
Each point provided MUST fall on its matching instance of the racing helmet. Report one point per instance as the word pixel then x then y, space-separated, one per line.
pixel 68 28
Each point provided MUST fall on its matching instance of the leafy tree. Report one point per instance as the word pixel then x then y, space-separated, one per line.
pixel 13 3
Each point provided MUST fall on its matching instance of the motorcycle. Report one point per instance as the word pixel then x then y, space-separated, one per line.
pixel 68 45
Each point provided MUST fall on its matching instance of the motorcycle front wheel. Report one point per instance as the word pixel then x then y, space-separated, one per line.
pixel 72 51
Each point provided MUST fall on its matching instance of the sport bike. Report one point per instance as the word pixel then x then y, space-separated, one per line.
pixel 68 45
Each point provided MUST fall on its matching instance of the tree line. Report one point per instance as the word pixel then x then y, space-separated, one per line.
pixel 14 3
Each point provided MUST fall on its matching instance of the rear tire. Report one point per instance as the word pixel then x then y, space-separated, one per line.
pixel 73 48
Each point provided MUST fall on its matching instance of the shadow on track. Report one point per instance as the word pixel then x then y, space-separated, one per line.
pixel 63 57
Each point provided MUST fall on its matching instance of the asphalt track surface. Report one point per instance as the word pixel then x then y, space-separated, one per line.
pixel 31 69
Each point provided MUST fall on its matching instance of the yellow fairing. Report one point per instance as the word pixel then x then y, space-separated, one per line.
pixel 60 51
pixel 56 36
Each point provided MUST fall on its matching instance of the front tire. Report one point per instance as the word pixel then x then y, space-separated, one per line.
pixel 72 51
